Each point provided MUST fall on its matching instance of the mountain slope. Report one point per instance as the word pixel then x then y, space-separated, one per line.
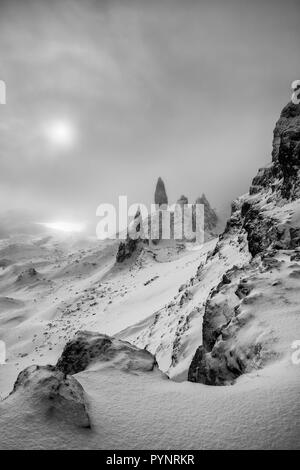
pixel 252 317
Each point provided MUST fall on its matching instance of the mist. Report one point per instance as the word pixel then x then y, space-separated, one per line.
pixel 105 96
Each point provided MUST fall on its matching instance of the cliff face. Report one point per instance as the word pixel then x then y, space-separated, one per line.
pixel 275 187
pixel 243 314
pixel 283 174
pixel 244 298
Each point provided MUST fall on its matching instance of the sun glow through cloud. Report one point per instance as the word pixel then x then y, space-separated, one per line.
pixel 68 227
pixel 59 133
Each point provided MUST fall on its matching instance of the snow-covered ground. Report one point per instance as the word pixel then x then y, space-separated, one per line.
pixel 50 288
pixel 148 411
pixel 77 285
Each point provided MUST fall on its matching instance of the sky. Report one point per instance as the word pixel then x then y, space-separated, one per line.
pixel 102 97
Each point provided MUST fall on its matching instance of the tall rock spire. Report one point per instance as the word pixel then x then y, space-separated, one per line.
pixel 160 195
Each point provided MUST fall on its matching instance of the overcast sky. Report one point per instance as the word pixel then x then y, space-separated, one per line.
pixel 186 90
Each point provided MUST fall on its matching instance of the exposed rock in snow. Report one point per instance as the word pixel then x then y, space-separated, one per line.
pixel 210 216
pixel 88 348
pixel 182 200
pixel 283 175
pixel 127 249
pixel 240 294
pixel 160 195
pixel 166 229
pixel 28 274
pixel 133 242
pixel 52 394
pixel 233 292
pixel 242 324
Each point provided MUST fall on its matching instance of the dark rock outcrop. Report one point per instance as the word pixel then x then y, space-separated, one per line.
pixel 279 183
pixel 182 200
pixel 133 241
pixel 268 219
pixel 126 249
pixel 282 176
pixel 89 348
pixel 53 393
pixel 210 216
pixel 160 195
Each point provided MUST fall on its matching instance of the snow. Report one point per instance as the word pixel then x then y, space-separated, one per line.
pixel 157 305
pixel 148 411
pixel 77 287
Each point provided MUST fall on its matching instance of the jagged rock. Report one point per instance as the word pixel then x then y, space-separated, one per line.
pixel 275 186
pixel 28 274
pixel 217 313
pixel 133 241
pixel 126 249
pixel 160 195
pixel 283 174
pixel 210 216
pixel 281 180
pixel 182 200
pixel 89 348
pixel 214 369
pixel 53 393
pixel 243 289
pixel 268 219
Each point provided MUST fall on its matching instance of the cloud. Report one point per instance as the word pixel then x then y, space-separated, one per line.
pixel 186 90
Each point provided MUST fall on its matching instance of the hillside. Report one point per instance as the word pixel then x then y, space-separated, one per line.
pixel 224 313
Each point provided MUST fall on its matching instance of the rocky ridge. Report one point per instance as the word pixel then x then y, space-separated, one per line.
pixel 133 245
pixel 267 222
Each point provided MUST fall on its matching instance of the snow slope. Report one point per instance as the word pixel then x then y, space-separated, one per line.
pixel 224 313
pixel 77 286
pixel 148 411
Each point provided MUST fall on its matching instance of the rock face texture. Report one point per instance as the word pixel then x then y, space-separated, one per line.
pixel 126 249
pixel 52 393
pixel 283 174
pixel 210 216
pixel 273 187
pixel 265 223
pixel 160 195
pixel 132 244
pixel 89 348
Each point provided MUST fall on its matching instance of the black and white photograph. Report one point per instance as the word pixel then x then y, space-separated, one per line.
pixel 149 227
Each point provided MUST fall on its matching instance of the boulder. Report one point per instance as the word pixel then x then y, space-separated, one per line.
pixel 53 393
pixel 89 348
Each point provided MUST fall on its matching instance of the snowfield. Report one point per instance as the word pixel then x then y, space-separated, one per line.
pixel 148 411
pixel 160 346
pixel 135 409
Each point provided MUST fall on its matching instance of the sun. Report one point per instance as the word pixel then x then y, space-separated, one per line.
pixel 68 227
pixel 59 133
